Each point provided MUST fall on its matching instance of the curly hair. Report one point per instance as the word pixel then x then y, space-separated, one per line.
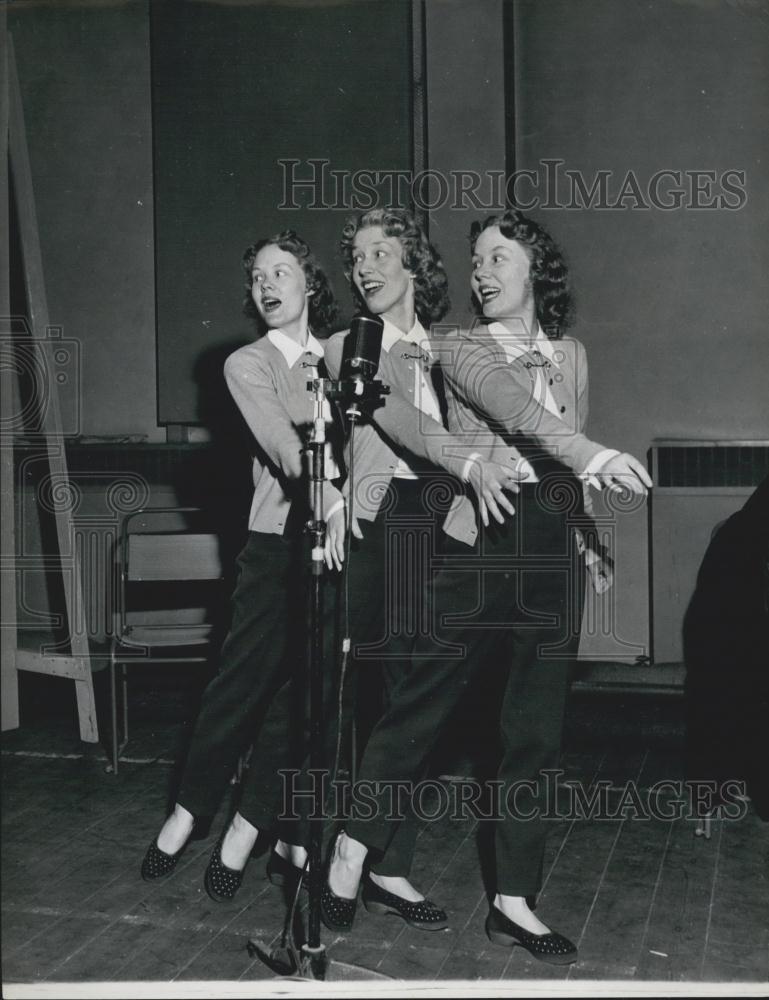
pixel 548 272
pixel 419 256
pixel 322 308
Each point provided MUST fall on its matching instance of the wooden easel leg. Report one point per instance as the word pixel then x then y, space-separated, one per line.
pixel 86 710
pixel 113 701
pixel 9 678
pixel 9 691
pixel 78 665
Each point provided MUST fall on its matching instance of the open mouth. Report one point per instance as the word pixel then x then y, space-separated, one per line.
pixel 371 287
pixel 488 292
pixel 270 304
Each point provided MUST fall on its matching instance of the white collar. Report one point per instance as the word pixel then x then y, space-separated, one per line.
pixel 514 346
pixel 289 348
pixel 391 335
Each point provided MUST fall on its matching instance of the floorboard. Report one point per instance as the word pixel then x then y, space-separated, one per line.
pixel 646 900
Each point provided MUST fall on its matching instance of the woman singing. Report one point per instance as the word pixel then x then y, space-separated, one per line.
pixel 515 374
pixel 409 473
pixel 251 699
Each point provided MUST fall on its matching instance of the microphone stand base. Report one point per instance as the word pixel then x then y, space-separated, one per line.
pixel 280 960
pixel 313 964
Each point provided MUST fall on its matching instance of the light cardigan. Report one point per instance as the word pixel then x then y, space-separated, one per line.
pixel 484 391
pixel 489 394
pixel 268 381
pixel 548 381
pixel 497 383
pixel 399 429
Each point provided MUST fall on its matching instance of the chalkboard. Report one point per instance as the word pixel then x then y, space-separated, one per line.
pixel 236 89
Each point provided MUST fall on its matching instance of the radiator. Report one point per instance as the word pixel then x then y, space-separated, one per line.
pixel 697 485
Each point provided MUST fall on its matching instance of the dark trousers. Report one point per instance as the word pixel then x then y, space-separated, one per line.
pixel 259 695
pixel 534 615
pixel 393 574
pixel 514 600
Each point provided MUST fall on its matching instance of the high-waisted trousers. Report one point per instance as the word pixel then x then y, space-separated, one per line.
pixel 512 602
pixel 259 696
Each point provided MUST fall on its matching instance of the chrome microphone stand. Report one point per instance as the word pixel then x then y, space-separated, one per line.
pixel 313 951
pixel 359 394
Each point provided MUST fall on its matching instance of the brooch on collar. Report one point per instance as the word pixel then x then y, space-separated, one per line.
pixel 421 356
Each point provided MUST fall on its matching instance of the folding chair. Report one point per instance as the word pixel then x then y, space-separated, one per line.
pixel 166 572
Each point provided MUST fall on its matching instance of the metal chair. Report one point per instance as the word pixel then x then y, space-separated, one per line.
pixel 161 560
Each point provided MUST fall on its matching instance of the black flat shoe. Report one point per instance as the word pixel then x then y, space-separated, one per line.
pixel 424 915
pixel 283 873
pixel 337 912
pixel 220 881
pixel 157 864
pixel 553 948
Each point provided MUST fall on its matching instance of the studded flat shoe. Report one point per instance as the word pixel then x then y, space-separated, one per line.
pixel 424 915
pixel 157 864
pixel 337 912
pixel 220 881
pixel 552 948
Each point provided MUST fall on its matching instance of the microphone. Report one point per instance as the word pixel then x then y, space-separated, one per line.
pixel 360 356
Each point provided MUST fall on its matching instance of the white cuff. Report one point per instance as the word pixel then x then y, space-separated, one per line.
pixel 595 464
pixel 590 555
pixel 525 471
pixel 469 464
pixel 337 505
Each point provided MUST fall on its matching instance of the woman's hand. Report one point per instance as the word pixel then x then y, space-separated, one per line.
pixel 335 535
pixel 490 480
pixel 336 530
pixel 624 471
pixel 601 573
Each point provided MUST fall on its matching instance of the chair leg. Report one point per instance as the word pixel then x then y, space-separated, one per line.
pixel 113 701
pixel 124 670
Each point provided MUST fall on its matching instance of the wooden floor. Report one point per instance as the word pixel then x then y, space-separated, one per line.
pixel 646 900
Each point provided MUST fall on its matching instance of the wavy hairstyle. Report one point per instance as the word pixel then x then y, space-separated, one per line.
pixel 419 256
pixel 322 308
pixel 548 272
